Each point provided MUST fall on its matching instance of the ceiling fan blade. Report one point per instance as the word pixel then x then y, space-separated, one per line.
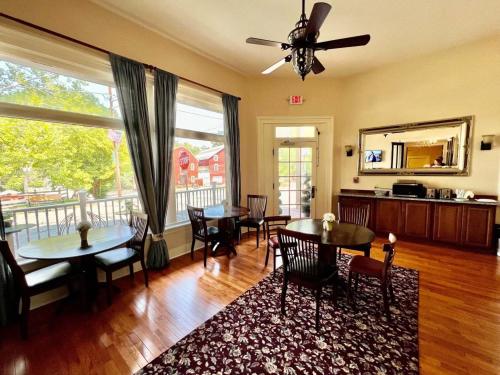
pixel 318 15
pixel 317 67
pixel 277 64
pixel 264 42
pixel 352 41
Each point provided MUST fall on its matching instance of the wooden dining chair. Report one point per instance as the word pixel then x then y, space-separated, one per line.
pixel 375 269
pixel 35 282
pixel 272 223
pixel 200 231
pixel 257 205
pixel 358 215
pixel 303 265
pixel 113 260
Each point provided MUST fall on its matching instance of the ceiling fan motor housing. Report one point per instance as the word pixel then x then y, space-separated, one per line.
pixel 302 53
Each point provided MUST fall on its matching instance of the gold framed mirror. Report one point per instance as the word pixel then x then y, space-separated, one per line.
pixel 441 147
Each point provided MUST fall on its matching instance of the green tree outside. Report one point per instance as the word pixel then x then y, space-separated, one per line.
pixel 57 155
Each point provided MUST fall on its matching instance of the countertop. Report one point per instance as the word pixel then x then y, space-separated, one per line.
pixel 373 196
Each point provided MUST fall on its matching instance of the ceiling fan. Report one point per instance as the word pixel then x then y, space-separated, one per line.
pixel 302 42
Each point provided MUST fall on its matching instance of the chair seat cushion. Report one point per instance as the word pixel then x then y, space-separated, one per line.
pixel 274 242
pixel 48 273
pixel 212 231
pixel 365 265
pixel 251 222
pixel 115 256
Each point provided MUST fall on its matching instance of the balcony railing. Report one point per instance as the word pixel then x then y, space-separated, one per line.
pixel 61 218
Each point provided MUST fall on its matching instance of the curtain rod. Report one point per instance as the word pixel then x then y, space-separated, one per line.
pixel 91 46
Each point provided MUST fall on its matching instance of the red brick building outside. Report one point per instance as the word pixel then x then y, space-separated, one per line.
pixel 191 173
pixel 212 165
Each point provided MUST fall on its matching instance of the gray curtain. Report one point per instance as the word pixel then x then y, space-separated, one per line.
pixel 7 291
pixel 130 80
pixel 232 132
pixel 165 96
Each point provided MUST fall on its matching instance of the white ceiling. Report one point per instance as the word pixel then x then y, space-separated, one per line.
pixel 399 29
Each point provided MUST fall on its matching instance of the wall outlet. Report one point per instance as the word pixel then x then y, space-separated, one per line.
pixel 355 179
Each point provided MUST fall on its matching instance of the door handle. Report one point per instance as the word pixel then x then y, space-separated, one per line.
pixel 313 192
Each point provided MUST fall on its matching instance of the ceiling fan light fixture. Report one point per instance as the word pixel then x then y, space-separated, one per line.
pixel 303 42
pixel 302 60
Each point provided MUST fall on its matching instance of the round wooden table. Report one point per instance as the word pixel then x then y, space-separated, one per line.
pixel 68 248
pixel 343 235
pixel 224 215
pixel 220 212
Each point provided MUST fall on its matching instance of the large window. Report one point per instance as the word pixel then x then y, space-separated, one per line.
pixel 199 172
pixel 61 133
pixel 60 136
pixel 30 86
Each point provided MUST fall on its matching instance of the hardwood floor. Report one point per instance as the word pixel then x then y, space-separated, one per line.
pixel 459 314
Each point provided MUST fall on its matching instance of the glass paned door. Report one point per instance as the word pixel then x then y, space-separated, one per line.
pixel 294 178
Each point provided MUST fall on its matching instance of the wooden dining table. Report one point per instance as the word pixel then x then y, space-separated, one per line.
pixel 67 248
pixel 224 216
pixel 343 235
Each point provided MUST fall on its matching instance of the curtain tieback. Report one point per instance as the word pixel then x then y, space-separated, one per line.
pixel 157 237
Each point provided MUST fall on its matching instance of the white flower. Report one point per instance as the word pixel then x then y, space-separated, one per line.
pixel 270 367
pixel 227 337
pixel 168 359
pixel 330 217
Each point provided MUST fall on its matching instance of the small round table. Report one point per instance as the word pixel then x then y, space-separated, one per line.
pixel 224 215
pixel 68 248
pixel 343 235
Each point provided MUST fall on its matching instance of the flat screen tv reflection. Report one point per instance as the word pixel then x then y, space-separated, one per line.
pixel 373 156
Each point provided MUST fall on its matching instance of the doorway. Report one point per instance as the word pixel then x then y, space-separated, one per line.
pixel 295 178
pixel 295 165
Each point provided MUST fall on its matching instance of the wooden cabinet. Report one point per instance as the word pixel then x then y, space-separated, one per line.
pixel 448 222
pixel 477 226
pixel 416 219
pixel 388 216
pixel 459 224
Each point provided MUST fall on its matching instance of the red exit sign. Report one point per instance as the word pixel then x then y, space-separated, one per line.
pixel 296 99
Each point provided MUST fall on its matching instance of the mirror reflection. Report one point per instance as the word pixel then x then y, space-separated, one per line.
pixel 422 148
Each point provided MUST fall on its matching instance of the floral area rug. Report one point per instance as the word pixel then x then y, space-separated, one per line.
pixel 250 336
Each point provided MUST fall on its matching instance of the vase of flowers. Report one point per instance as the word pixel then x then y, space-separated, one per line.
pixel 83 228
pixel 328 220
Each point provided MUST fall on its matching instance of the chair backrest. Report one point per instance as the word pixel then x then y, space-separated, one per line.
pixel 257 205
pixel 64 224
pixel 16 270
pixel 140 222
pixel 300 253
pixel 390 251
pixel 197 219
pixel 96 220
pixel 275 222
pixel 358 215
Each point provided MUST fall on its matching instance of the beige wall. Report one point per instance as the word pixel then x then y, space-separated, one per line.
pixel 268 96
pixel 461 81
pixel 457 82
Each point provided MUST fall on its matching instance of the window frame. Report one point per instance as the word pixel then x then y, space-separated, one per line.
pixel 25 47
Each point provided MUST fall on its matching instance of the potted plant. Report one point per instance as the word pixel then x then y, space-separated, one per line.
pixel 306 197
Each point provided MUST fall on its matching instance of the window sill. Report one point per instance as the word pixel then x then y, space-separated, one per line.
pixel 176 226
